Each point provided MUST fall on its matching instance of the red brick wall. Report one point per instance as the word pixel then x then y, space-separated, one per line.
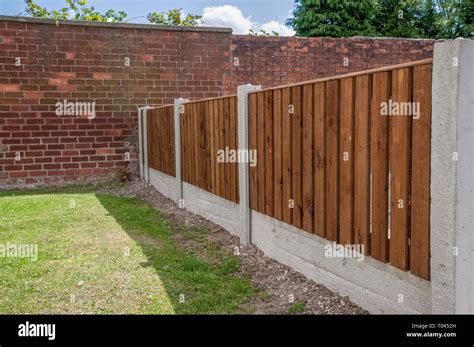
pixel 271 61
pixel 86 63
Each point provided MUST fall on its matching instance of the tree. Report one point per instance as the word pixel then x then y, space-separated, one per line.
pixel 398 18
pixel 456 18
pixel 333 18
pixel 436 19
pixel 174 17
pixel 76 10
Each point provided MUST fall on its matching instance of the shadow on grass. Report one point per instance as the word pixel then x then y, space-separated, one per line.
pixel 197 282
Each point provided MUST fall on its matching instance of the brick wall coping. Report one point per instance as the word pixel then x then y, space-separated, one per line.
pixel 21 19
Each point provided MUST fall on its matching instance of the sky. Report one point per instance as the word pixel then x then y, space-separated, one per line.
pixel 240 15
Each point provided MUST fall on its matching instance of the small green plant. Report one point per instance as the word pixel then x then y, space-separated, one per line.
pixel 297 307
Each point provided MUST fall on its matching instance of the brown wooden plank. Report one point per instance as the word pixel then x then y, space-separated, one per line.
pixel 217 146
pixel 420 174
pixel 346 162
pixel 183 146
pixel 269 153
pixel 297 145
pixel 261 151
pixel 227 146
pixel 320 159
pixel 233 146
pixel 308 162
pixel 361 162
pixel 379 160
pixel 197 146
pixel 212 153
pixel 221 147
pixel 253 147
pixel 277 156
pixel 204 145
pixel 287 156
pixel 400 164
pixel 332 160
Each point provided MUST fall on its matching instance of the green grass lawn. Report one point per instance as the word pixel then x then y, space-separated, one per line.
pixel 106 254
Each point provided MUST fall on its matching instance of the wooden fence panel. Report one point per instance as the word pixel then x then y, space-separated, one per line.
pixel 209 126
pixel 335 157
pixel 161 140
pixel 327 146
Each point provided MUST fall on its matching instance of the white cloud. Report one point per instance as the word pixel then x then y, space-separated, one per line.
pixel 273 25
pixel 229 16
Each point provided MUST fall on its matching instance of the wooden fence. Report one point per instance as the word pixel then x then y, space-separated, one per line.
pixel 160 132
pixel 331 164
pixel 208 126
pixel 328 161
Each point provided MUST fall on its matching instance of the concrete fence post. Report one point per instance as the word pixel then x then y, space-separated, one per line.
pixel 243 137
pixel 452 178
pixel 177 145
pixel 146 172
pixel 140 142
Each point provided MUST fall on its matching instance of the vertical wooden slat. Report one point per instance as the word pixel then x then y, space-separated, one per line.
pixel 182 147
pixel 400 148
pixel 253 147
pixel 261 151
pixel 287 156
pixel 297 144
pixel 221 146
pixel 361 162
pixel 204 146
pixel 233 142
pixel 346 162
pixel 227 146
pixel 332 159
pixel 308 162
pixel 420 174
pixel 212 156
pixel 217 128
pixel 379 160
pixel 277 155
pixel 197 146
pixel 269 153
pixel 319 103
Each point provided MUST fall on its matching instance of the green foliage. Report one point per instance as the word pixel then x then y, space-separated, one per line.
pixel 436 19
pixel 333 18
pixel 297 307
pixel 75 10
pixel 174 17
pixel 263 33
